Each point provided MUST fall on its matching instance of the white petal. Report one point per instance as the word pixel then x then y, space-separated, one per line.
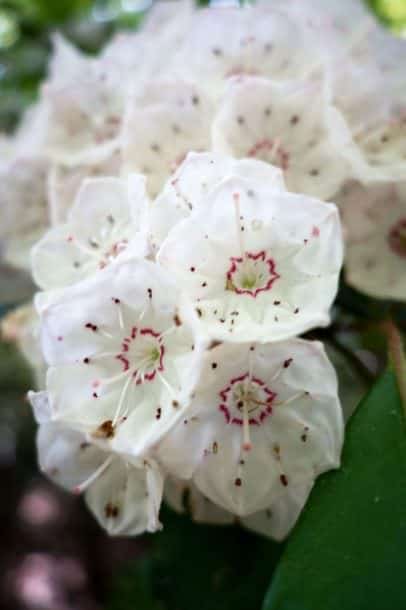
pixel 126 500
pixel 195 179
pixel 278 520
pixel 287 125
pixel 202 510
pixel 107 221
pixel 66 457
pixel 164 121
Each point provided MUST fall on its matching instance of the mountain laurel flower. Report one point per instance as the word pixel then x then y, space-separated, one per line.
pixel 279 123
pixel 274 522
pixel 198 175
pixel 258 264
pixel 64 182
pixel 169 118
pixel 83 102
pixel 124 495
pixel 251 40
pixel 374 219
pixel 106 222
pixel 263 419
pixel 381 149
pixel 263 422
pixel 23 205
pixel 120 350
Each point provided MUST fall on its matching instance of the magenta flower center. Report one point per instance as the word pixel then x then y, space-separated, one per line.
pixel 245 393
pixel 251 274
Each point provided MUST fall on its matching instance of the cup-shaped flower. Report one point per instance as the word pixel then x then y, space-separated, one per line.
pixel 106 222
pixel 374 218
pixel 263 419
pixel 258 264
pixel 283 124
pixel 228 41
pixel 198 175
pixel 124 495
pixel 83 100
pixel 120 351
pixel 23 205
pixel 164 121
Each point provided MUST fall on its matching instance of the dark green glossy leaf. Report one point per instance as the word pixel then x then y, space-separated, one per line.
pixel 348 549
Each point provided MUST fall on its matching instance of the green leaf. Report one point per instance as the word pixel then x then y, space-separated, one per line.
pixel 348 549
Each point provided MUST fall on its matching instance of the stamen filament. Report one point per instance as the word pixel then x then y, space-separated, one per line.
pixel 83 486
pixel 247 445
pixel 122 399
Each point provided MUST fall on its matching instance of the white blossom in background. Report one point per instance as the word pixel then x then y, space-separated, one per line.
pixel 264 421
pixel 23 207
pixel 164 121
pixel 226 41
pixel 123 494
pixel 106 223
pixel 374 218
pixel 258 263
pixel 281 124
pixel 119 349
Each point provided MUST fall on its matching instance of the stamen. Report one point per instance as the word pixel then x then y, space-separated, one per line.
pixel 166 383
pixel 114 378
pixel 291 399
pixel 120 316
pixel 274 150
pixel 105 333
pixel 83 486
pixel 247 445
pixel 122 399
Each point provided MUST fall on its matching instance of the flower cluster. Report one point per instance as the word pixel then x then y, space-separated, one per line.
pixel 179 188
pixel 169 330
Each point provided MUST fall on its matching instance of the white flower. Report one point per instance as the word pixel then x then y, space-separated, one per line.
pixel 382 148
pixel 124 495
pixel 106 223
pixel 64 182
pixel 259 264
pixel 164 121
pixel 375 222
pixel 23 207
pixel 196 177
pixel 228 41
pixel 289 125
pixel 264 420
pixel 120 350
pixel 275 521
pixel 84 106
